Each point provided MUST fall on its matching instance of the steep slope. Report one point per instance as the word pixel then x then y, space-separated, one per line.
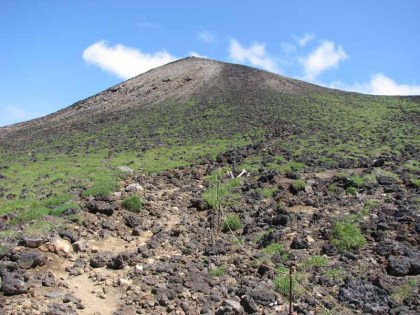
pixel 191 99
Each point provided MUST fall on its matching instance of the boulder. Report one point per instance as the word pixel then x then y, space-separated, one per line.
pixel 364 296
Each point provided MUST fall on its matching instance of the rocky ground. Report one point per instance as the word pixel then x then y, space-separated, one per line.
pixel 170 259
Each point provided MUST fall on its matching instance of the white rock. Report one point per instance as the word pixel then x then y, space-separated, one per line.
pixel 61 245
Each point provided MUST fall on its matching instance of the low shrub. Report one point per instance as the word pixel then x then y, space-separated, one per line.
pixel 217 272
pixel 315 261
pixel 346 235
pixel 298 185
pixel 351 191
pixel 276 249
pixel 133 204
pixel 232 222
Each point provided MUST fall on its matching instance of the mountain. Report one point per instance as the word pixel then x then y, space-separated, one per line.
pixel 194 187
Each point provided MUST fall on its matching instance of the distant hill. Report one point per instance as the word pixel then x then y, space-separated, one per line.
pixel 193 100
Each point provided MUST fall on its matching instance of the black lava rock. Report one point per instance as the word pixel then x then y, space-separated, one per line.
pixel 363 295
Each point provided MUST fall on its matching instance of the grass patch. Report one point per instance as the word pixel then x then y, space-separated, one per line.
pixel 346 235
pixel 351 191
pixel 276 249
pixel 333 189
pixel 102 188
pixel 232 222
pixel 412 166
pixel 220 194
pixel 314 261
pixel 298 185
pixel 282 282
pixel 335 274
pixel 32 209
pixel 39 228
pixel 217 272
pixel 8 234
pixel 404 291
pixel 267 192
pixel 133 204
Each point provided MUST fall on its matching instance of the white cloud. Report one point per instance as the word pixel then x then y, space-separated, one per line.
pixel 302 41
pixel 379 84
pixel 196 54
pixel 325 57
pixel 207 37
pixel 124 62
pixel 255 55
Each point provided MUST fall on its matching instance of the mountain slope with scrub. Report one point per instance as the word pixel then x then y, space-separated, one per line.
pixel 195 187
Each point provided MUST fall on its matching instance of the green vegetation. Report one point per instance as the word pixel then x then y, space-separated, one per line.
pixel 48 161
pixel 282 282
pixel 351 191
pixel 415 182
pixel 369 206
pixel 333 189
pixel 7 234
pixel 412 166
pixel 314 261
pixel 102 187
pixel 346 235
pixel 33 209
pixel 382 172
pixel 221 193
pixel 42 184
pixel 276 249
pixel 335 273
pixel 217 272
pixel 232 222
pixel 42 227
pixel 404 291
pixel 132 203
pixel 267 192
pixel 298 185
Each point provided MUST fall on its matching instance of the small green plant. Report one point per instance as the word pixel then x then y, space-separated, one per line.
pixel 232 222
pixel 276 249
pixel 335 274
pixel 101 188
pixel 415 182
pixel 282 282
pixel 221 194
pixel 7 234
pixel 315 261
pixel 351 191
pixel 132 203
pixel 356 181
pixel 371 205
pixel 39 228
pixel 346 235
pixel 333 189
pixel 404 291
pixel 298 185
pixel 217 272
pixel 267 192
pixel 238 240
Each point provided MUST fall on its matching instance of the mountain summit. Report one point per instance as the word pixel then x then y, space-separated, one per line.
pixel 241 90
pixel 193 97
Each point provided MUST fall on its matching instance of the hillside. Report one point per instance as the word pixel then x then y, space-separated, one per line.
pixel 126 197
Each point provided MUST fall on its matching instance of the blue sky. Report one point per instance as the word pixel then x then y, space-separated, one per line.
pixel 54 53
